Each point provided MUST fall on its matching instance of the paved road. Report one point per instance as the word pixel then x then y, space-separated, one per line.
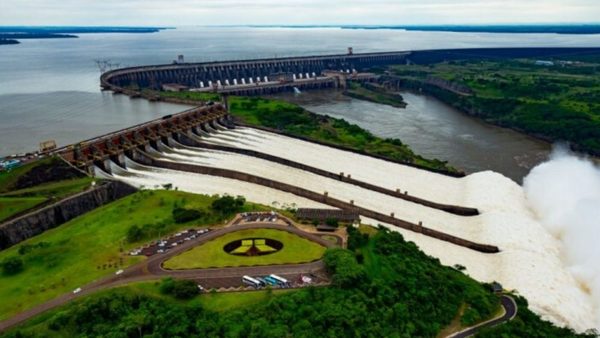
pixel 151 269
pixel 510 311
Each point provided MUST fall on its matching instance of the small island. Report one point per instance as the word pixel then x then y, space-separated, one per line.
pixel 12 35
pixel 8 42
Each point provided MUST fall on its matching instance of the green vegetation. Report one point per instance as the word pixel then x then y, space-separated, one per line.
pixel 294 120
pixel 12 265
pixel 191 96
pixel 179 288
pixel 374 93
pixel 14 205
pixel 528 324
pixel 88 247
pixel 35 183
pixel 228 204
pixel 411 295
pixel 183 215
pixel 560 102
pixel 211 254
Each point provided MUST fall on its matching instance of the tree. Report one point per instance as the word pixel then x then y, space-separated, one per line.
pixel 182 215
pixel 12 265
pixel 134 234
pixel 342 264
pixel 228 204
pixel 332 222
pixel 179 288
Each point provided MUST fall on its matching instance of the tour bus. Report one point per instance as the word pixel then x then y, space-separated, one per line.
pixel 271 281
pixel 251 281
pixel 281 280
pixel 262 281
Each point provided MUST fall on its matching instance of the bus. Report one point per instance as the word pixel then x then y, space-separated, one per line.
pixel 262 281
pixel 271 281
pixel 280 280
pixel 251 281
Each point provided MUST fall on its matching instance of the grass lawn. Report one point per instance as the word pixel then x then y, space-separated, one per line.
pixel 87 248
pixel 219 302
pixel 58 189
pixel 13 201
pixel 211 254
pixel 12 205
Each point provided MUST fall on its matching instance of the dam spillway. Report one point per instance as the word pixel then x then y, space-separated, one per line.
pixel 528 261
pixel 176 153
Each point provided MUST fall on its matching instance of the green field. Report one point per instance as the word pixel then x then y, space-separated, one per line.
pixel 560 102
pixel 14 199
pixel 13 205
pixel 219 302
pixel 88 247
pixel 211 254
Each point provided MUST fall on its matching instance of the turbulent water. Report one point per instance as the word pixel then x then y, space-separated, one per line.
pixel 568 208
pixel 530 261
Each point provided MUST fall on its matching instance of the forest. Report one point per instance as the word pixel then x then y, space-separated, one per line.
pixel 382 286
pixel 556 101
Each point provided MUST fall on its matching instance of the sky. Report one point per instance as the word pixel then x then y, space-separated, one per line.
pixel 295 12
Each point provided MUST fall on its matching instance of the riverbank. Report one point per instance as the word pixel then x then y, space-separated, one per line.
pixel 374 92
pixel 554 100
pixel 14 34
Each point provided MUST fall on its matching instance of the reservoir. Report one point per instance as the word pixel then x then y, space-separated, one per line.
pixel 49 89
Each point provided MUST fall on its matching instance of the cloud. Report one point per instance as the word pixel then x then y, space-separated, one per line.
pixel 229 12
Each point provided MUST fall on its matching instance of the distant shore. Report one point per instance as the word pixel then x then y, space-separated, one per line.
pixel 12 35
pixel 515 29
pixel 8 42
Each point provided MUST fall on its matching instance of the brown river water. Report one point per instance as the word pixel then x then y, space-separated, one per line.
pixel 435 130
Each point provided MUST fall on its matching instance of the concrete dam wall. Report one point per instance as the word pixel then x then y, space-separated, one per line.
pixel 196 75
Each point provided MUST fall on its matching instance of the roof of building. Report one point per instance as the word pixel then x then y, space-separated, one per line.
pixel 323 214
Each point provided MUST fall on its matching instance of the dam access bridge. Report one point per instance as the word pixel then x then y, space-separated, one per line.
pixel 251 77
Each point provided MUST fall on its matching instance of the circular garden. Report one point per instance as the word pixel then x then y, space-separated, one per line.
pixel 248 247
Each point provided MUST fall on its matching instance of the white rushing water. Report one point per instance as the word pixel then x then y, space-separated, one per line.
pixel 530 260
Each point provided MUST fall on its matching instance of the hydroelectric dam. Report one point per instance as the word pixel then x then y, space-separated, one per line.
pixel 479 223
pixel 156 144
pixel 250 77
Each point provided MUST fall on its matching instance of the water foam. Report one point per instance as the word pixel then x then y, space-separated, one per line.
pixel 565 194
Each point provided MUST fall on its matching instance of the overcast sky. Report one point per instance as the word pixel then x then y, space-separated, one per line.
pixel 231 12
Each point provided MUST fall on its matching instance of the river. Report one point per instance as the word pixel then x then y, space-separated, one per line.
pixel 434 130
pixel 49 89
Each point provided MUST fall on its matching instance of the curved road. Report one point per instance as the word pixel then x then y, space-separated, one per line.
pixel 510 311
pixel 151 269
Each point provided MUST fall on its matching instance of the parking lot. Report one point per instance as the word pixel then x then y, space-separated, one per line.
pixel 261 217
pixel 237 284
pixel 165 244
